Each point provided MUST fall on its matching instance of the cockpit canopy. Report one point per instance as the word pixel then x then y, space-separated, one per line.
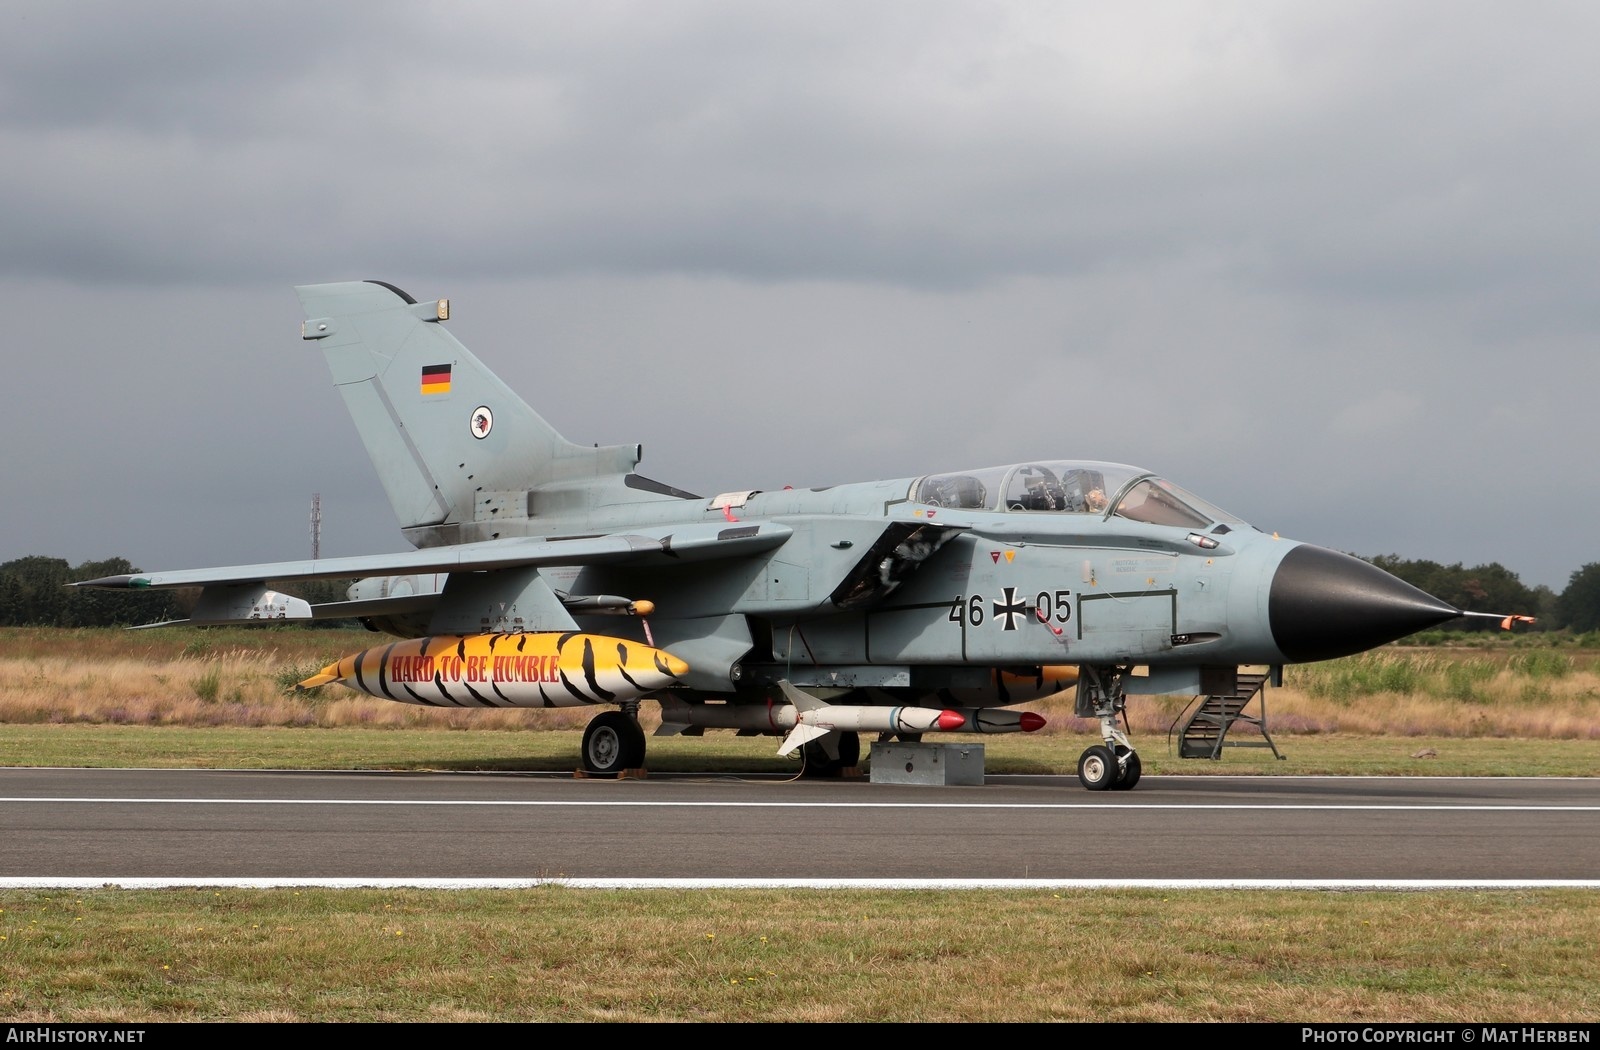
pixel 1102 489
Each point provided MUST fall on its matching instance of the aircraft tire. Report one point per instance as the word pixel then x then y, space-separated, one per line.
pixel 1097 768
pixel 849 750
pixel 612 742
pixel 1130 773
pixel 818 763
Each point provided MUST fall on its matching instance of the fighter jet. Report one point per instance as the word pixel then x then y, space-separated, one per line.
pixel 548 574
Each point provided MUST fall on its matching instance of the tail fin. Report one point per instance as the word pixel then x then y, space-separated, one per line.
pixel 461 456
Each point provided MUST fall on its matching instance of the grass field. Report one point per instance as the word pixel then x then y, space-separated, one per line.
pixel 224 699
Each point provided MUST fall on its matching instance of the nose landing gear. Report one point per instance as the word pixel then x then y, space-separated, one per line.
pixel 1114 765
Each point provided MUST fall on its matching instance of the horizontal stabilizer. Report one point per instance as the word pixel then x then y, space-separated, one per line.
pixel 395 605
pixel 244 603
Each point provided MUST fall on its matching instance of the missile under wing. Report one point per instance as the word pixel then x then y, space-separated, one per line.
pixel 550 574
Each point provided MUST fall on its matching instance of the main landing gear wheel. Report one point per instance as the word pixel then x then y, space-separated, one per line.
pixel 1097 768
pixel 612 742
pixel 820 763
pixel 1131 770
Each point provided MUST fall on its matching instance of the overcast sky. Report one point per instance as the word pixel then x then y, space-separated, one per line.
pixel 1333 266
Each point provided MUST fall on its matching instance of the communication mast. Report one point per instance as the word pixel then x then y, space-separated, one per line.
pixel 316 525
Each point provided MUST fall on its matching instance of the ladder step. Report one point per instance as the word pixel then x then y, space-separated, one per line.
pixel 1204 735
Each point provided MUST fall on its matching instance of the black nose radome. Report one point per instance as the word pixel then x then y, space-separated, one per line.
pixel 1325 604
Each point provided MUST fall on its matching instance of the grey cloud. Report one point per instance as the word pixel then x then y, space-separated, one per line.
pixel 1328 265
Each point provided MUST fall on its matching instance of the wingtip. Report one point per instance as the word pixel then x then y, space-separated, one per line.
pixel 128 579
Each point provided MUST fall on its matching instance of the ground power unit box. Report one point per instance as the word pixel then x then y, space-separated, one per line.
pixel 899 763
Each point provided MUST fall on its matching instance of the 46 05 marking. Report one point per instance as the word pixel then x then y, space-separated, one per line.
pixel 1008 609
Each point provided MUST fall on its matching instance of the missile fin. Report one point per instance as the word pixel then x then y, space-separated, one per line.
pixel 802 734
pixel 801 700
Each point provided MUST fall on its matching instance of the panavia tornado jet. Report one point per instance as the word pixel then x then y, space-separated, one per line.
pixel 549 574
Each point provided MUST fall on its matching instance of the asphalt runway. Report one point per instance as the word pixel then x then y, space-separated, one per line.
pixel 140 828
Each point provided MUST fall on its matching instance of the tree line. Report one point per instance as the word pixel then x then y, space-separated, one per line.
pixel 34 592
pixel 1493 588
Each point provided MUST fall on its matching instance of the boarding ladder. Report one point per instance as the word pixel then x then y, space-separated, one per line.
pixel 1203 726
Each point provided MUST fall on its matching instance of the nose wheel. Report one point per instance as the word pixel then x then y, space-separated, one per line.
pixel 1097 768
pixel 1114 765
pixel 1132 769
pixel 1102 769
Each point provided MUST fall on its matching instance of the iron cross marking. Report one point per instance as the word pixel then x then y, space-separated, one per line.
pixel 1013 608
